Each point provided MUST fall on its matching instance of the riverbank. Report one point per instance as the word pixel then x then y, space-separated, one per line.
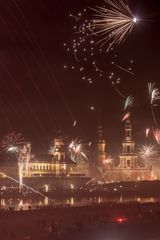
pixel 70 223
pixel 145 188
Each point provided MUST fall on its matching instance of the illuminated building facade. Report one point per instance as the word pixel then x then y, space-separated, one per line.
pixel 58 163
pixel 129 168
pixel 103 160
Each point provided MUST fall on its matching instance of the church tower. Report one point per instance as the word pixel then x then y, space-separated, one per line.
pixel 128 157
pixel 59 149
pixel 101 146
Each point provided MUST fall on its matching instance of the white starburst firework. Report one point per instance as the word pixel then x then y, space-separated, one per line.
pixel 77 148
pixel 147 151
pixel 113 22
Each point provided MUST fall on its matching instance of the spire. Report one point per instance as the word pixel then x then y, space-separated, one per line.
pixel 128 145
pixel 100 132
pixel 101 145
pixel 128 130
pixel 59 147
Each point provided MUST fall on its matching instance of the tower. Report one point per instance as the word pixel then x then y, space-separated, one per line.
pixel 59 156
pixel 101 146
pixel 59 149
pixel 128 157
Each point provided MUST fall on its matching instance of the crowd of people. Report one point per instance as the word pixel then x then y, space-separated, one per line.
pixel 66 222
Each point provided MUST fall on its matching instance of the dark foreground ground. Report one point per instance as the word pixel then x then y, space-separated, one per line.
pixel 97 222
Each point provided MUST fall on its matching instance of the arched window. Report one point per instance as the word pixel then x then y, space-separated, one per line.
pixel 128 149
pixel 128 133
pixel 128 163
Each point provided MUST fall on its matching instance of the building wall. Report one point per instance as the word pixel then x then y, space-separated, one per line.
pixel 117 174
pixel 45 168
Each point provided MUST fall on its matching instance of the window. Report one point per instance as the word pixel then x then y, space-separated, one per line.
pixel 128 149
pixel 128 133
pixel 128 163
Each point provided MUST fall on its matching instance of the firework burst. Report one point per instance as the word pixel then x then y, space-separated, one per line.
pixel 88 58
pixel 77 149
pixel 154 95
pixel 12 141
pixel 15 143
pixel 113 22
pixel 147 151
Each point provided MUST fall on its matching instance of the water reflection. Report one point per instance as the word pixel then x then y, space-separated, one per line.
pixel 26 203
pixel 46 201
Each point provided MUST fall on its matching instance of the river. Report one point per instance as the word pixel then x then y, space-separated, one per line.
pixel 33 203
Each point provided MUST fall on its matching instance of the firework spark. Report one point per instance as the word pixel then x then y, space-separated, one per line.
pixel 76 149
pixel 28 187
pixel 113 22
pixel 154 95
pixel 12 141
pixel 74 124
pixel 15 143
pixel 147 132
pixel 89 144
pixel 12 149
pixel 89 60
pixel 156 133
pixel 129 102
pixel 92 108
pixel 51 150
pixel 24 157
pixel 129 70
pixel 126 116
pixel 147 151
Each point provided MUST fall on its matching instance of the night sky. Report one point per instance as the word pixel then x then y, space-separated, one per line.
pixel 38 98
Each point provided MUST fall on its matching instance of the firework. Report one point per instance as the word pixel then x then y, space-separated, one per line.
pixel 147 151
pixel 147 132
pixel 156 133
pixel 92 108
pixel 74 124
pixel 89 144
pixel 88 59
pixel 12 141
pixel 129 102
pixel 15 143
pixel 51 150
pixel 20 174
pixel 24 156
pixel 126 116
pixel 76 149
pixel 12 149
pixel 97 69
pixel 154 95
pixel 28 187
pixel 129 70
pixel 113 22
